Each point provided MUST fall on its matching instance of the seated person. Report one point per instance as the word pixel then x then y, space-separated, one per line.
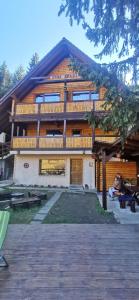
pixel 117 187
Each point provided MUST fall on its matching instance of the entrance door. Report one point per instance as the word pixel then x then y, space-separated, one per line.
pixel 76 171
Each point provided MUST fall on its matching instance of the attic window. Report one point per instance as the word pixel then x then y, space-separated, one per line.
pixel 85 96
pixel 54 97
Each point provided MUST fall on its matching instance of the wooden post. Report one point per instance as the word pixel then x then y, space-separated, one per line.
pixel 12 133
pixel 17 131
pixel 137 164
pixel 104 194
pixel 64 133
pixel 98 175
pixel 65 96
pixel 38 133
pixel 13 107
pixel 65 109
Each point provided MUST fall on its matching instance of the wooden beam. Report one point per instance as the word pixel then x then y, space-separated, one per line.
pixel 104 194
pixel 64 133
pixel 98 175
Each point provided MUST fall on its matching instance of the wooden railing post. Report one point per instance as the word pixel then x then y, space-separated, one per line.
pixel 104 194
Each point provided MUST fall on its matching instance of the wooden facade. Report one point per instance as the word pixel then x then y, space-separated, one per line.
pixel 59 126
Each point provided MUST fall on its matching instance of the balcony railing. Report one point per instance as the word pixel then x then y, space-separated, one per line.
pixel 24 143
pixel 106 139
pixel 52 142
pixel 58 107
pixel 79 142
pixel 46 108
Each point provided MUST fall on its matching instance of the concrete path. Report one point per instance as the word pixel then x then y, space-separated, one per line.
pixel 43 212
pixel 123 216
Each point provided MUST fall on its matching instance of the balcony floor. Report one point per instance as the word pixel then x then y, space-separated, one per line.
pixel 78 262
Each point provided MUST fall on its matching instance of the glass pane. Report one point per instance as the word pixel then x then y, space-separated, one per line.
pixel 52 97
pixel 54 132
pixel 94 96
pixel 39 99
pixel 82 96
pixel 76 132
pixel 53 167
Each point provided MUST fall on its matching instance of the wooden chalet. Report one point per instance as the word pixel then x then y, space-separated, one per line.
pixel 44 116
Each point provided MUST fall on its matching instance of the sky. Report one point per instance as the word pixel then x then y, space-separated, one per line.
pixel 29 26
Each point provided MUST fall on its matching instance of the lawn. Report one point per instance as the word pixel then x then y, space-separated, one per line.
pixel 25 215
pixel 79 209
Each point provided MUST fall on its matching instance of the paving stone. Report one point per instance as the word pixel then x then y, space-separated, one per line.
pixel 42 213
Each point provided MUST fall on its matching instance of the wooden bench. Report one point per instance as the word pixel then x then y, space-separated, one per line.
pixel 4 220
pixel 24 201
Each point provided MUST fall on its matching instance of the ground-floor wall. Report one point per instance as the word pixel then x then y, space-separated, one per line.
pixel 27 170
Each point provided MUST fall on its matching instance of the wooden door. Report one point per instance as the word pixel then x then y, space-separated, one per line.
pixel 76 171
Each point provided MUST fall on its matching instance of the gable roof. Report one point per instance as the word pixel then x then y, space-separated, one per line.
pixel 62 50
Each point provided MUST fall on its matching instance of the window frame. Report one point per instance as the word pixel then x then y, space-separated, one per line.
pixel 51 170
pixel 47 94
pixel 85 92
pixel 76 135
pixel 54 135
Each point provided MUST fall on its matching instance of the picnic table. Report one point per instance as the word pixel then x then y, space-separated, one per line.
pixel 26 202
pixel 17 195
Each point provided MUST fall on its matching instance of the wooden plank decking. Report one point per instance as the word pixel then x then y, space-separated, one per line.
pixel 71 262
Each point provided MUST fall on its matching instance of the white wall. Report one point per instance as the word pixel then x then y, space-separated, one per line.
pixel 31 175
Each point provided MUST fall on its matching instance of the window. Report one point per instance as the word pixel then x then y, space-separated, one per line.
pixel 55 132
pixel 52 97
pixel 94 96
pixel 55 97
pixel 84 96
pixel 76 132
pixel 52 167
pixel 39 99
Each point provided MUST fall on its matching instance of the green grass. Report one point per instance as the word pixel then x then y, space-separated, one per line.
pixel 78 209
pixel 25 215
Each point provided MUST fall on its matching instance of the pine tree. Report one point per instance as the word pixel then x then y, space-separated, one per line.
pixel 18 74
pixel 114 25
pixel 5 79
pixel 33 62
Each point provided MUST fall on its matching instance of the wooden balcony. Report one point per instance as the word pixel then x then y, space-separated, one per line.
pixel 106 139
pixel 51 143
pixel 26 109
pixel 79 142
pixel 46 108
pixel 79 106
pixel 58 107
pixel 24 143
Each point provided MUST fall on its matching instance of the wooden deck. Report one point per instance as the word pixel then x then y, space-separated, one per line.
pixel 71 262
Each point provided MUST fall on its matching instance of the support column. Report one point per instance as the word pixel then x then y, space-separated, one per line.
pixel 64 133
pixel 98 175
pixel 17 131
pixel 137 163
pixel 12 134
pixel 104 194
pixel 65 96
pixel 65 109
pixel 38 133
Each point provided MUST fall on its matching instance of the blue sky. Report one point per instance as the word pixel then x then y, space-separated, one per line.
pixel 28 26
